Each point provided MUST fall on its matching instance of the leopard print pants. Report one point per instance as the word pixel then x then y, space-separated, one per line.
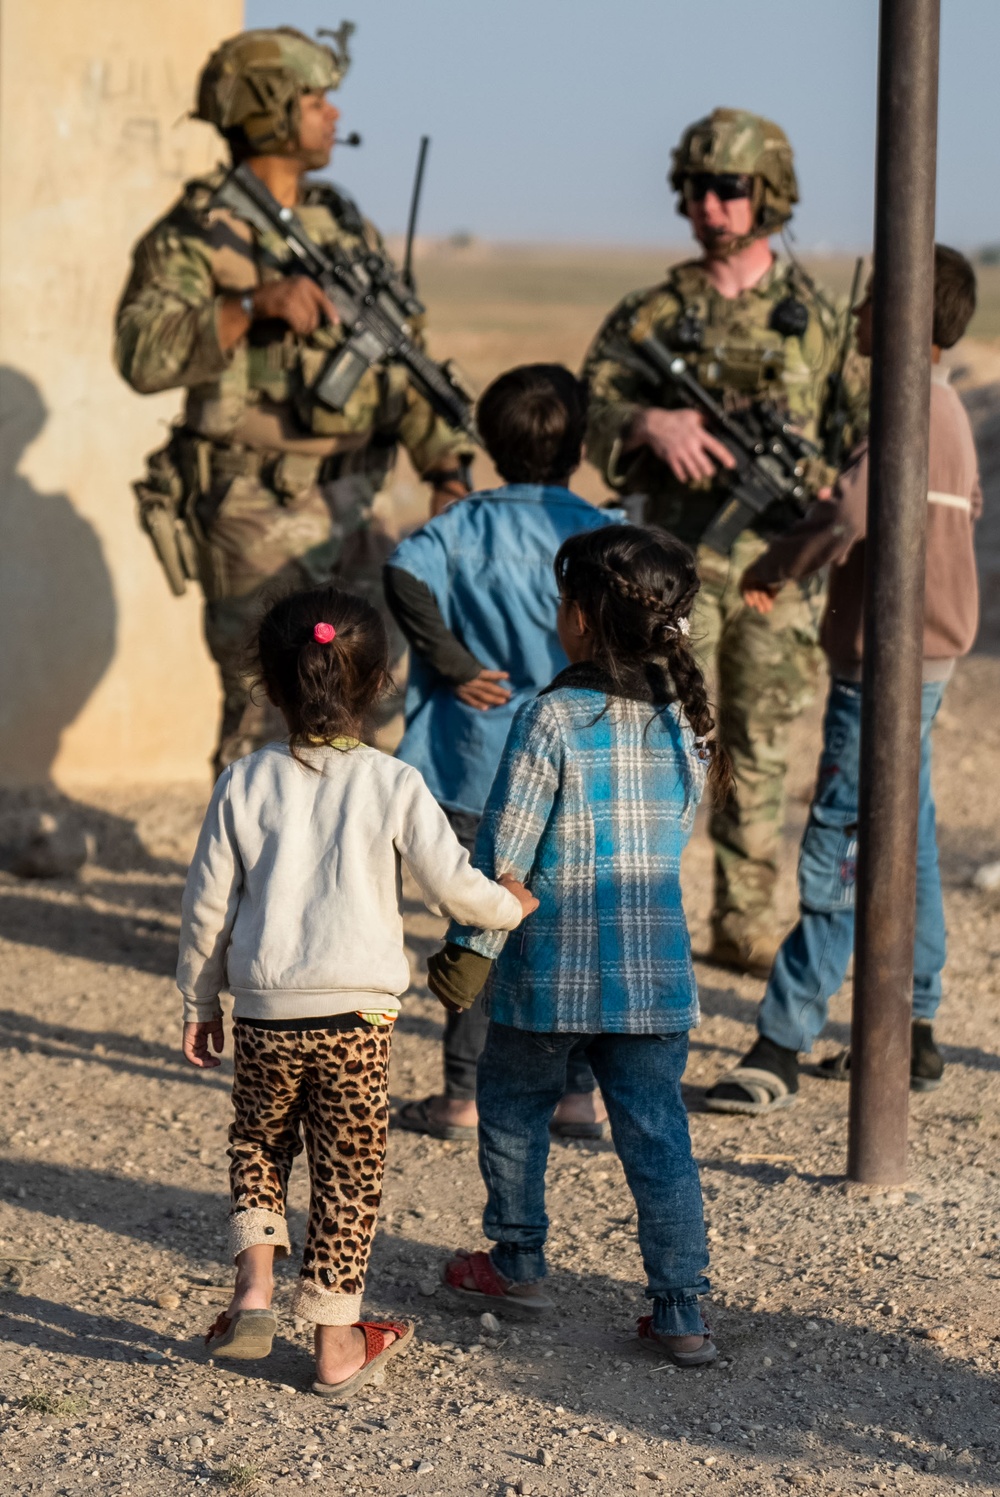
pixel 330 1089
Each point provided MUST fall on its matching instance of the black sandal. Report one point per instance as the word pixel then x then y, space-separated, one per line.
pixel 416 1117
pixel 766 1078
pixel 749 1089
pixel 926 1061
pixel 835 1067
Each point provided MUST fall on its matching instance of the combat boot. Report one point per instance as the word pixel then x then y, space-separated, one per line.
pixel 926 1060
pixel 750 952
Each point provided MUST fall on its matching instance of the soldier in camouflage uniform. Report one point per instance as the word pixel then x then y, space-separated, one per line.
pixel 750 326
pixel 260 486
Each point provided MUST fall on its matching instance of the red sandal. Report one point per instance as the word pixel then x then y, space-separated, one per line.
pixel 377 1351
pixel 491 1290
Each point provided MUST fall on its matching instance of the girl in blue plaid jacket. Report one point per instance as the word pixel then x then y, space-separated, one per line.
pixel 592 806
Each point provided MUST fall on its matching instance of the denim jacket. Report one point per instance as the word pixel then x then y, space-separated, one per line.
pixel 591 807
pixel 488 562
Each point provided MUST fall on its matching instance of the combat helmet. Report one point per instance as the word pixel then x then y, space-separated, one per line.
pixel 250 87
pixel 734 140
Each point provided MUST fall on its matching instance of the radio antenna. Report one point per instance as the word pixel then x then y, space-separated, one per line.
pixel 411 228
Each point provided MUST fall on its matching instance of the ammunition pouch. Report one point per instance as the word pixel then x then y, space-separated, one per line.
pixel 187 482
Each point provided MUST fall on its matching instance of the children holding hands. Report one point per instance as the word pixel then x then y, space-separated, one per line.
pixel 293 905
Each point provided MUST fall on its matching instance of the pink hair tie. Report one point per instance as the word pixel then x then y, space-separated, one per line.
pixel 324 633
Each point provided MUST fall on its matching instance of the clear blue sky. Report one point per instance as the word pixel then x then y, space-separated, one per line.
pixel 554 119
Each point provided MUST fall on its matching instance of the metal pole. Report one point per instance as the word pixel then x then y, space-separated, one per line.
pixel 894 589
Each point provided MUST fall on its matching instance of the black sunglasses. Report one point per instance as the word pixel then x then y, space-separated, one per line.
pixel 727 186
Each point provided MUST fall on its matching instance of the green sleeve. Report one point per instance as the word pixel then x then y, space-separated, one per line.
pixel 165 331
pixel 427 437
pixel 616 394
pixel 457 976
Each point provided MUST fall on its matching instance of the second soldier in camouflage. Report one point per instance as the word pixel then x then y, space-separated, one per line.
pixel 750 327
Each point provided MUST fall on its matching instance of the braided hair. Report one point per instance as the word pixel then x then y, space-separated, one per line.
pixel 635 586
pixel 323 658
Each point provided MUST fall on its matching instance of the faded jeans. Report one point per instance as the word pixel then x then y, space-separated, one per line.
pixel 522 1075
pixel 813 959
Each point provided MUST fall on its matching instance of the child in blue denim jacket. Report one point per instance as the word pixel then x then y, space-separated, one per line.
pixel 593 804
pixel 472 591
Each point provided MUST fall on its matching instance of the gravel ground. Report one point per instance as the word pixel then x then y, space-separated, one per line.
pixel 860 1338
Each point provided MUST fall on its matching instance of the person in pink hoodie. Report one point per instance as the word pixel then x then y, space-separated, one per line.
pixel 812 961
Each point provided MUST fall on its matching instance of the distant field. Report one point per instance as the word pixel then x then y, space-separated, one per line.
pixel 986 323
pixel 493 306
pixel 497 297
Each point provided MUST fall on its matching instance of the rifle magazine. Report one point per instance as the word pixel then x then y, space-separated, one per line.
pixel 728 524
pixel 344 371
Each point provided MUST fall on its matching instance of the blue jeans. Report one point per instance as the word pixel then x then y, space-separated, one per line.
pixel 813 959
pixel 521 1077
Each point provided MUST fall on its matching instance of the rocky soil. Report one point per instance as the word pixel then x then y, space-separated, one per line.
pixel 860 1336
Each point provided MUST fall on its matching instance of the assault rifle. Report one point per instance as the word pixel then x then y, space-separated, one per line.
pixel 373 302
pixel 770 455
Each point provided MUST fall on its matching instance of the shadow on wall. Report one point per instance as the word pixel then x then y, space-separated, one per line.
pixel 57 606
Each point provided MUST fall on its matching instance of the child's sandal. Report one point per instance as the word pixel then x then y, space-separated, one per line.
pixel 700 1357
pixel 245 1336
pixel 377 1351
pixel 490 1290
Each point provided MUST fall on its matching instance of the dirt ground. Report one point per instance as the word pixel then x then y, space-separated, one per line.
pixel 860 1338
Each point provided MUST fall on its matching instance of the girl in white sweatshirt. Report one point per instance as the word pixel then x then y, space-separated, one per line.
pixel 293 905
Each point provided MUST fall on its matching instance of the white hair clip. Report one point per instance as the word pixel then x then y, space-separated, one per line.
pixel 684 626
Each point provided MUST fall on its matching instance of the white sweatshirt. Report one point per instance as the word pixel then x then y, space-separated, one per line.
pixel 293 900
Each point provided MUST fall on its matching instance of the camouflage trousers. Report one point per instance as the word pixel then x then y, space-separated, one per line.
pixel 762 672
pixel 262 546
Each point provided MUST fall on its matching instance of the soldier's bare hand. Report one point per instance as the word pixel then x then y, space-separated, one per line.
pixel 681 440
pixel 297 300
pixel 196 1042
pixel 484 691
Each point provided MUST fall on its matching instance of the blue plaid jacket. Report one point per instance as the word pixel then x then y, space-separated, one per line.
pixel 591 807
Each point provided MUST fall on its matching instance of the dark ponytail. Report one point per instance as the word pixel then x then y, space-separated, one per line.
pixel 635 586
pixel 323 657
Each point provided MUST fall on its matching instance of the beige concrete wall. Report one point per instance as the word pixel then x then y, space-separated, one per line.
pixel 103 674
